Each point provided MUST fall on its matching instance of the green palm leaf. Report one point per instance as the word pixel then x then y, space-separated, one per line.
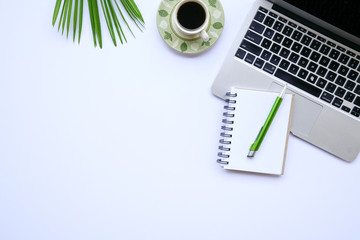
pixel 72 11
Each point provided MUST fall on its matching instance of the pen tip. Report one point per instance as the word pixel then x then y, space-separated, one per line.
pixel 251 154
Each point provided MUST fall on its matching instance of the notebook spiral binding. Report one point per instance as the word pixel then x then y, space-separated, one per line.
pixel 226 135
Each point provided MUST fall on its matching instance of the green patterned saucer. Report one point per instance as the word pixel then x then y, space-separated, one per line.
pixel 190 46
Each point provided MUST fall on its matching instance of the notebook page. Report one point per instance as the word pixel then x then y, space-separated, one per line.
pixel 252 109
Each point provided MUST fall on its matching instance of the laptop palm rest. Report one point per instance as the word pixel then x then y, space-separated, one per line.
pixel 305 113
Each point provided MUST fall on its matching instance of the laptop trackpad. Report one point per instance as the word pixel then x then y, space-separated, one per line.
pixel 305 113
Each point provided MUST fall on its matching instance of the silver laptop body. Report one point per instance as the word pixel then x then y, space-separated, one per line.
pixel 323 72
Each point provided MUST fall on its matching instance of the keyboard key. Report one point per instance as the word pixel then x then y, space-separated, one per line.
pixel 293 24
pixel 278 26
pixel 259 16
pixel 340 80
pixel 315 56
pixel 303 73
pixel 357 101
pixel 305 52
pixel 251 47
pixel 296 47
pixel 293 69
pixel 344 58
pixel 269 68
pixel 249 58
pixel 303 62
pixel 349 96
pixel 324 61
pixel 269 33
pixel 254 37
pixel 312 78
pixel 275 60
pixel 263 9
pixel 312 66
pixel 340 92
pixel 297 82
pixel 257 27
pixel 294 57
pixel 312 34
pixel 331 44
pixel 284 64
pixel 269 21
pixel 341 48
pixel 331 76
pixel 350 85
pixel 274 15
pixel 275 48
pixel 330 87
pixel 301 29
pixel 334 65
pixel 357 90
pixel 353 63
pixel 353 75
pixel 345 108
pixel 343 70
pixel 240 53
pixel 284 52
pixel 296 35
pixel 287 31
pixel 282 20
pixel 259 63
pixel 327 97
pixel 266 43
pixel 351 53
pixel 321 83
pixel 337 102
pixel 306 40
pixel 287 42
pixel 324 49
pixel 321 39
pixel 266 55
pixel 356 112
pixel 321 71
pixel 315 44
pixel 334 54
pixel 278 38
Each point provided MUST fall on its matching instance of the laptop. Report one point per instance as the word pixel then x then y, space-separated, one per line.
pixel 314 47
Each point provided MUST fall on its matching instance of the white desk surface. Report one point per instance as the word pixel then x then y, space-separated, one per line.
pixel 121 143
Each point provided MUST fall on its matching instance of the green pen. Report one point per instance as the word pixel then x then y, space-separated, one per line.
pixel 256 145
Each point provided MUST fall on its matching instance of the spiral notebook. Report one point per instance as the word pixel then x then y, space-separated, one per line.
pixel 246 112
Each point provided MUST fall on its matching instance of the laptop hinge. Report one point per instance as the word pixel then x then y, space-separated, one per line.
pixel 316 27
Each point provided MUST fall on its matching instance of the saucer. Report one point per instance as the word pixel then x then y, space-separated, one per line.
pixel 190 46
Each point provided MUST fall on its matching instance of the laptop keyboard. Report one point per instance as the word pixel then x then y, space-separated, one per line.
pixel 303 59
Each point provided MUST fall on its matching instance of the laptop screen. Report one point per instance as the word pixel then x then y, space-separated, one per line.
pixel 344 14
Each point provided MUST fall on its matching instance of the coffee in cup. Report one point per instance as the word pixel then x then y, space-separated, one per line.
pixel 190 20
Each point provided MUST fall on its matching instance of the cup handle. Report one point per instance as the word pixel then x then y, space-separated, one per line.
pixel 204 36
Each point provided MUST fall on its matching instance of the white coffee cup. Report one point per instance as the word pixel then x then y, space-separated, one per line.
pixel 186 21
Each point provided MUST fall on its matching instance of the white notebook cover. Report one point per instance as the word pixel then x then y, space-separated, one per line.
pixel 251 110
